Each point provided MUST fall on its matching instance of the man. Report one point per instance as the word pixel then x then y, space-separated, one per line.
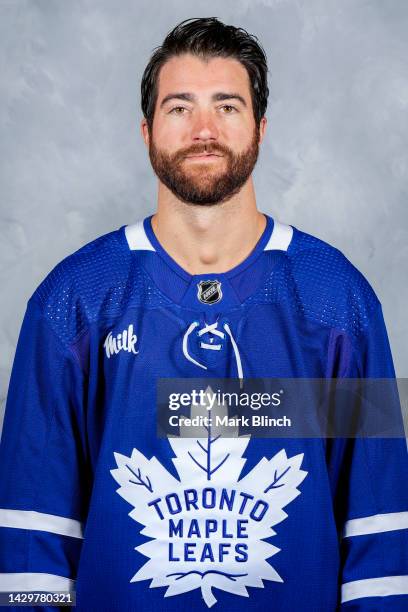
pixel 92 501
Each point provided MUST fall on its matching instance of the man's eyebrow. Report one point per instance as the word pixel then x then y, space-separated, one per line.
pixel 189 97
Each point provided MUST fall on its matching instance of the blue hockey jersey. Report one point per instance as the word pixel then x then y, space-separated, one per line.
pixel 92 501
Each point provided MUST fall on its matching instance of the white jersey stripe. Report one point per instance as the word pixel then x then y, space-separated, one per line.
pixel 137 238
pixel 29 519
pixel 374 587
pixel 29 581
pixel 280 238
pixel 377 523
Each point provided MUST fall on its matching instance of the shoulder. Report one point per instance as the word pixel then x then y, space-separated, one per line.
pixel 94 261
pixel 330 288
pixel 95 283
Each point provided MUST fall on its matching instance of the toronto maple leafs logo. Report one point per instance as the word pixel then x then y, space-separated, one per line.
pixel 208 528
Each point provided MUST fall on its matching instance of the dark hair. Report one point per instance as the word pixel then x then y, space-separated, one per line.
pixel 208 37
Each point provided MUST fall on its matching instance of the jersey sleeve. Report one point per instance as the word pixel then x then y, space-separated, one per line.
pixel 44 473
pixel 372 496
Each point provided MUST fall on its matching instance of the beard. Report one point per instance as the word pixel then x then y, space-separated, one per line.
pixel 206 183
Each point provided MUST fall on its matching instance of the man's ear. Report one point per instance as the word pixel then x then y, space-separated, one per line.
pixel 262 128
pixel 144 130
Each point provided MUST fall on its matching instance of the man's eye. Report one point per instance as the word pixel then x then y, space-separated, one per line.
pixel 229 106
pixel 177 108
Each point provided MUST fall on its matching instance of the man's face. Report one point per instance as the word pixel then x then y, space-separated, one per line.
pixel 204 142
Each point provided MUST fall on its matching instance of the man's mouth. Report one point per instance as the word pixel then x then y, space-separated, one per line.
pixel 203 156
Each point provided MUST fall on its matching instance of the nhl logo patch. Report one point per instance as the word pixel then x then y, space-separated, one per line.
pixel 209 291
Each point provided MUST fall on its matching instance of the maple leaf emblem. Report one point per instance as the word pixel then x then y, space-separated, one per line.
pixel 208 528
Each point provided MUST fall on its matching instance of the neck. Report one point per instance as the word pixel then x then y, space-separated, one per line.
pixel 213 238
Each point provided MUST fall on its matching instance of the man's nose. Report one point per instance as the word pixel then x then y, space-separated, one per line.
pixel 204 126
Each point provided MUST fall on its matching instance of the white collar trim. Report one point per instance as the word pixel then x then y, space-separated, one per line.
pixel 137 238
pixel 280 238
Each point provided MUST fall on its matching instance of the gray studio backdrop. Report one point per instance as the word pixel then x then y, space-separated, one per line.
pixel 73 165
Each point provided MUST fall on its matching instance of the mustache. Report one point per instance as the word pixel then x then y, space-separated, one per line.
pixel 208 150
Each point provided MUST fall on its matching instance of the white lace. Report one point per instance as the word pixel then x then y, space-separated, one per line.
pixel 212 329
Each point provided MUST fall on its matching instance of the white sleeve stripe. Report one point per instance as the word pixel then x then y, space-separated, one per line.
pixel 376 523
pixel 281 237
pixel 374 587
pixel 27 581
pixel 29 519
